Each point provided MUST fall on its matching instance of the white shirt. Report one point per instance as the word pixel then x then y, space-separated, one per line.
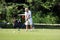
pixel 28 14
pixel 29 21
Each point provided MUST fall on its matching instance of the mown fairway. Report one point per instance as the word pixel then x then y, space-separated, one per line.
pixel 36 34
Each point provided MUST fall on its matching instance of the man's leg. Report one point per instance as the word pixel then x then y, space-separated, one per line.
pixel 26 23
pixel 30 26
pixel 30 21
pixel 26 27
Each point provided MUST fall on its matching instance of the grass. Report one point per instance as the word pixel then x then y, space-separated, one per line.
pixel 36 34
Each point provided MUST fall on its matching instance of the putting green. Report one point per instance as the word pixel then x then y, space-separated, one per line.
pixel 35 34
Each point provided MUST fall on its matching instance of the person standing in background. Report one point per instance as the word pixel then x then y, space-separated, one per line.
pixel 28 18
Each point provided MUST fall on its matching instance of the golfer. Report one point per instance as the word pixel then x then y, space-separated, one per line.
pixel 28 18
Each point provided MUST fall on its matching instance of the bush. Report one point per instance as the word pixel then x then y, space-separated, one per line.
pixel 36 17
pixel 41 10
pixel 48 19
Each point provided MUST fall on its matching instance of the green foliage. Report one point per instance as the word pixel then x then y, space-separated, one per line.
pixel 37 8
pixel 48 19
pixel 40 16
pixel 36 17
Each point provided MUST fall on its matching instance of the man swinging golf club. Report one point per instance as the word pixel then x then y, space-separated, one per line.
pixel 28 18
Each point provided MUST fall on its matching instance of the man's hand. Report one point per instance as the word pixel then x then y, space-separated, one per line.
pixel 28 17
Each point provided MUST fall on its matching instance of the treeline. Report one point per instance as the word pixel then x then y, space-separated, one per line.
pixel 43 11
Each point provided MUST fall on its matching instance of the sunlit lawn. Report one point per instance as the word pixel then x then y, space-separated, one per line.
pixel 35 34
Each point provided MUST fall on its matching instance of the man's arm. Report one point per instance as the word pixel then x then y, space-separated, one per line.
pixel 26 17
pixel 29 16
